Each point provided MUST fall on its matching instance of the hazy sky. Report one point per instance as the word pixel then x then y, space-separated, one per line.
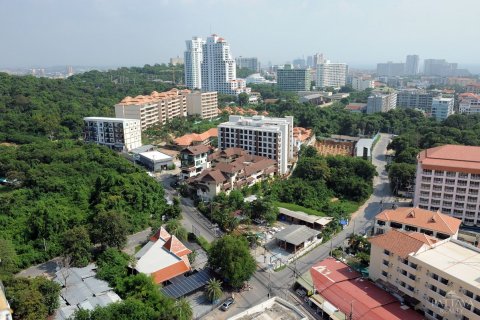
pixel 136 32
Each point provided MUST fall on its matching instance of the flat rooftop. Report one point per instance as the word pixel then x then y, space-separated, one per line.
pixel 272 309
pixel 108 119
pixel 457 259
pixel 156 155
pixel 451 157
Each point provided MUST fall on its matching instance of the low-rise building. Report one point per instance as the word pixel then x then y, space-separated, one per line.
pixel 193 160
pixel 115 133
pixel 439 277
pixel 273 308
pixel 163 257
pixel 342 293
pixel 231 169
pixel 361 83
pixel 155 160
pixel 431 223
pixel 302 136
pixel 473 88
pixel 381 102
pixel 194 139
pixel 469 103
pixel 356 107
pixel 363 148
pixel 442 108
pixel 296 237
pixel 203 104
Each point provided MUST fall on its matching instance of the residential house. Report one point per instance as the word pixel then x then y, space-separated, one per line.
pixel 193 160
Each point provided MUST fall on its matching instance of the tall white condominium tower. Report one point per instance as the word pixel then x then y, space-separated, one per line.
pixel 331 74
pixel 259 135
pixel 193 58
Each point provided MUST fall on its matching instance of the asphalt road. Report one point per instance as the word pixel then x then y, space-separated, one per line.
pixel 282 281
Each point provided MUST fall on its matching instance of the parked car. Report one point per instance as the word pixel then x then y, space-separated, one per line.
pixel 227 304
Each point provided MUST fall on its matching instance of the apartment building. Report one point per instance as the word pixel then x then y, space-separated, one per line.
pixel 381 102
pixel 231 168
pixel 290 79
pixel 115 133
pixel 431 223
pixel 361 83
pixel 469 103
pixel 154 109
pixel 473 88
pixel 439 67
pixel 448 179
pixel 248 63
pixel 259 135
pixel 203 104
pixel 391 69
pixel 442 108
pixel 412 64
pixel 331 74
pixel 439 277
pixel 193 58
pixel 416 99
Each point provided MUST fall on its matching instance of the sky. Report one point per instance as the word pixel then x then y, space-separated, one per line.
pixel 127 32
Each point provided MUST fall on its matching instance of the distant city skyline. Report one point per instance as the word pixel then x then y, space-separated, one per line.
pixel 122 33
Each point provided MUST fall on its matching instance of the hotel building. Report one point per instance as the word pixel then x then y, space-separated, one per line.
pixel 203 104
pixel 118 134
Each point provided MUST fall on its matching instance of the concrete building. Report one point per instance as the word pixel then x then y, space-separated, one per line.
pixel 155 160
pixel 259 135
pixel 448 179
pixel 361 83
pixel 116 133
pixel 256 78
pixel 203 104
pixel 248 63
pixel 193 139
pixel 411 65
pixel 363 149
pixel 435 224
pixel 176 61
pixel 381 102
pixel 438 277
pixel 469 103
pixel 341 293
pixel 273 308
pixel 390 69
pixel 416 99
pixel 473 88
pixel 442 108
pixel 331 74
pixel 289 79
pixel 154 109
pixel 193 58
pixel 193 160
pixel 439 67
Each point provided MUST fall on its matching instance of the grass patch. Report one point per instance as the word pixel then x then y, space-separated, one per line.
pixel 346 206
pixel 296 207
pixel 283 266
pixel 203 243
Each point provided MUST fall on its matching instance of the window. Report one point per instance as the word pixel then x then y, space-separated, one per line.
pixel 385 263
pixel 380 222
pixel 476 311
pixel 386 252
pixel 385 274
pixel 469 293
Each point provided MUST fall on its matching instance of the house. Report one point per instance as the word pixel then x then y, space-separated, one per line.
pixel 302 136
pixel 356 107
pixel 432 223
pixel 193 160
pixel 297 217
pixel 231 168
pixel 194 139
pixel 296 237
pixel 163 257
pixel 155 160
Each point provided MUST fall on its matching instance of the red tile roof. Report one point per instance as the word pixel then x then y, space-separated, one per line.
pixel 188 139
pixel 422 218
pixel 330 271
pixel 160 234
pixel 170 272
pixel 196 149
pixel 176 247
pixel 451 158
pixel 402 243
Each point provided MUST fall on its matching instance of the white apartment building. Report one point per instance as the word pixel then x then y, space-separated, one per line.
pixel 259 135
pixel 193 58
pixel 381 102
pixel 204 104
pixel 361 84
pixel 448 179
pixel 331 74
pixel 469 103
pixel 116 133
pixel 439 277
pixel 442 108
pixel 154 109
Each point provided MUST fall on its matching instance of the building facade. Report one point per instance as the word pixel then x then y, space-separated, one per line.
pixel 289 79
pixel 391 69
pixel 361 84
pixel 193 160
pixel 331 74
pixel 437 277
pixel 115 133
pixel 442 108
pixel 259 135
pixel 193 58
pixel 469 103
pixel 248 63
pixel 411 65
pixel 416 99
pixel 381 102
pixel 439 67
pixel 448 179
pixel 203 104
pixel 154 109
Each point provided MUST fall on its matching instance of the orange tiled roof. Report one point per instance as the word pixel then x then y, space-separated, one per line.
pixel 160 234
pixel 422 218
pixel 188 139
pixel 402 243
pixel 451 157
pixel 301 134
pixel 171 271
pixel 153 97
pixel 176 247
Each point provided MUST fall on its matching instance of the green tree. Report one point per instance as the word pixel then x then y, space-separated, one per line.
pixel 174 227
pixel 8 257
pixel 110 229
pixel 183 310
pixel 77 245
pixel 314 168
pixel 401 176
pixel 213 290
pixel 112 266
pixel 243 99
pixel 263 209
pixel 231 258
pixel 50 293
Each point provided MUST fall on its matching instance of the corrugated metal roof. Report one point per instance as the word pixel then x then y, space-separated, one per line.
pixel 296 234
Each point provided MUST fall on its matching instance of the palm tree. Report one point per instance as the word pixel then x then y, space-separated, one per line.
pixel 174 227
pixel 213 289
pixel 184 310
